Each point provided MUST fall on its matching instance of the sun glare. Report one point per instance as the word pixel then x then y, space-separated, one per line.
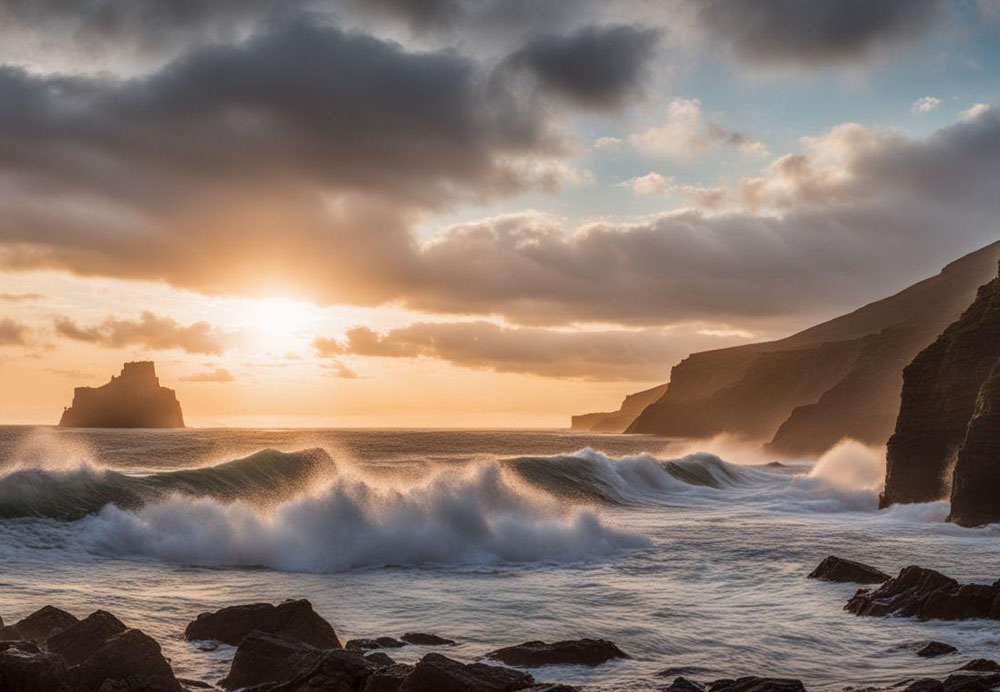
pixel 278 323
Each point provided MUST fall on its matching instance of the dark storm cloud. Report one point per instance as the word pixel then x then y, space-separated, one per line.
pixel 149 330
pixel 596 67
pixel 594 355
pixel 813 32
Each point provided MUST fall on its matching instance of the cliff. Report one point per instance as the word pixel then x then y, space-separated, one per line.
pixel 802 394
pixel 617 421
pixel 946 432
pixel 134 399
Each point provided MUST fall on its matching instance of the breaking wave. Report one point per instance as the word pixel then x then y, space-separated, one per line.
pixel 69 493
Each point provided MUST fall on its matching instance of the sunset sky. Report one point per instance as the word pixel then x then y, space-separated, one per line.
pixel 482 213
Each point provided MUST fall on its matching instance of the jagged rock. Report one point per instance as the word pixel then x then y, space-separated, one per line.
pixel 552 688
pixel 388 679
pixel 587 652
pixel 959 682
pixel 423 639
pixel 940 391
pixel 935 649
pixel 982 665
pixel 81 639
pixel 197 684
pixel 928 595
pixel 755 684
pixel 377 643
pixel 292 619
pixel 925 685
pixel 380 659
pixel 835 568
pixel 40 625
pixel 437 673
pixel 24 668
pixel 131 659
pixel 134 399
pixel 321 670
pixel 263 657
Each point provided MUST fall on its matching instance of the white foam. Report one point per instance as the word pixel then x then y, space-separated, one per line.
pixel 471 516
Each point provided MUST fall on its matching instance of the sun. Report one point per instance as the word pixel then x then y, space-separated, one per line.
pixel 278 324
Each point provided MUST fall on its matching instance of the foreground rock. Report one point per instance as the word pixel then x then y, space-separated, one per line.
pixel 928 595
pixel 79 641
pixel 423 639
pixel 263 657
pixel 377 643
pixel 39 626
pixel 755 684
pixel 935 649
pixel 437 673
pixel 587 652
pixel 838 569
pixel 132 659
pixel 982 665
pixel 294 620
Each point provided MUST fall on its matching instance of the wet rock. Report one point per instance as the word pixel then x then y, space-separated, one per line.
pixel 838 569
pixel 587 652
pixel 926 685
pixel 81 639
pixel 377 643
pixel 422 639
pixel 39 626
pixel 130 661
pixel 982 665
pixel 388 679
pixel 331 670
pixel 976 481
pixel 437 673
pixel 970 682
pixel 681 684
pixel 263 657
pixel 24 668
pixel 292 619
pixel 195 684
pixel 926 594
pixel 755 684
pixel 380 659
pixel 935 649
pixel 551 688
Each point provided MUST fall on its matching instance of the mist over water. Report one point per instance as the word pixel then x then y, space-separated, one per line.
pixel 689 556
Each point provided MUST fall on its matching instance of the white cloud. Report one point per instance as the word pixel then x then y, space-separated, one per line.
pixel 975 111
pixel 651 184
pixel 608 144
pixel 925 104
pixel 686 132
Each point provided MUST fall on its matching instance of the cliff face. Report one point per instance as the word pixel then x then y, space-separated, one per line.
pixel 840 378
pixel 617 421
pixel 134 399
pixel 975 492
pixel 949 398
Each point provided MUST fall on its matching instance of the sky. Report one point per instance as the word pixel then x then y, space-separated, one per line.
pixel 448 213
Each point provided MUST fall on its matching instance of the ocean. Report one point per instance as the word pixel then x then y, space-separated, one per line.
pixel 691 557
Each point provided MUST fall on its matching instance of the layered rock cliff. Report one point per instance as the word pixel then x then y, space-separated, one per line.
pixel 838 379
pixel 133 399
pixel 947 433
pixel 617 421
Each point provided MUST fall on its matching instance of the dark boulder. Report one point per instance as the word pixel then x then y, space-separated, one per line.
pixel 926 594
pixel 24 668
pixel 755 684
pixel 437 673
pixel 263 657
pixel 130 661
pixel 587 652
pixel 681 684
pixel 387 679
pixel 80 640
pixel 423 639
pixel 925 685
pixel 935 649
pixel 377 643
pixel 982 665
pixel 970 682
pixel 838 569
pixel 380 659
pixel 329 670
pixel 39 626
pixel 292 619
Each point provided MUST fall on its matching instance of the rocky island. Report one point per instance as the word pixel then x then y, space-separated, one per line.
pixel 133 399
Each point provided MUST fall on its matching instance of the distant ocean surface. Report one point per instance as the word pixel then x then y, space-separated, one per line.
pixel 691 558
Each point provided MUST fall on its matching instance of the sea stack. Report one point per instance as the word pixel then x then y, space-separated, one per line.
pixel 948 432
pixel 133 399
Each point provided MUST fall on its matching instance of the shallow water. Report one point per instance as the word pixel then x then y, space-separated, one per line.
pixel 688 561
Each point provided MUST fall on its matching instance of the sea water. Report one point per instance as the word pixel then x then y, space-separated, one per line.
pixel 692 557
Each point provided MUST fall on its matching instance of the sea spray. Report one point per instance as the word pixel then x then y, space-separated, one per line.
pixel 471 516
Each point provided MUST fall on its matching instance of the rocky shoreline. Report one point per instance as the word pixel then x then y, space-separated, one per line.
pixel 290 648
